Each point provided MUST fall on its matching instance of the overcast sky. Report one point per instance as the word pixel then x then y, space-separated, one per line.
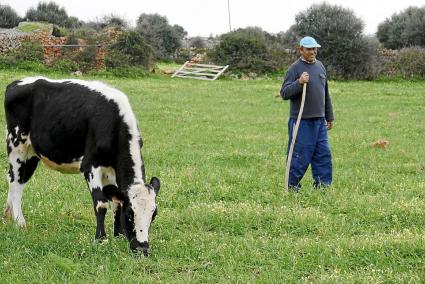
pixel 203 18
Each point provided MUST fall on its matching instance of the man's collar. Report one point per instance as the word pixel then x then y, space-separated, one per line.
pixel 302 59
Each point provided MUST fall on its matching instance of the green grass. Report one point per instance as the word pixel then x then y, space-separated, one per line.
pixel 218 148
pixel 31 27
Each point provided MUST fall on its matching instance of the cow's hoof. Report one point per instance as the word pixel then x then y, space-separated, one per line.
pixel 101 239
pixel 20 220
pixel 118 233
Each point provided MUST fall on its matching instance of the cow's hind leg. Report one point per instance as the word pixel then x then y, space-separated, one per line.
pixel 22 164
pixel 100 202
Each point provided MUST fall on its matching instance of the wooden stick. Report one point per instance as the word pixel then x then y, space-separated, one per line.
pixel 294 138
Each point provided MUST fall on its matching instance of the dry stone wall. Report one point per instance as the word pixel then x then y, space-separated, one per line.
pixel 12 39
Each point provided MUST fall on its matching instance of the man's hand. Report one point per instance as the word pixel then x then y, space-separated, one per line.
pixel 303 78
pixel 330 125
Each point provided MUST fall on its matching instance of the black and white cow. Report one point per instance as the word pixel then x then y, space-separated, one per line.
pixel 78 126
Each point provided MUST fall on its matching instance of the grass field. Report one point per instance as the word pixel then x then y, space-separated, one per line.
pixel 218 148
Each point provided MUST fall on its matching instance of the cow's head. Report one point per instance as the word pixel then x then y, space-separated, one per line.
pixel 137 214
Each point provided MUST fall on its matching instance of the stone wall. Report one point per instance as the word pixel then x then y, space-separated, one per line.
pixel 12 39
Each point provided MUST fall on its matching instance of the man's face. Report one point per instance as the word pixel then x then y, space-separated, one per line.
pixel 309 54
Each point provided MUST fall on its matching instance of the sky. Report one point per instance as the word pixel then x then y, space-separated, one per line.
pixel 204 18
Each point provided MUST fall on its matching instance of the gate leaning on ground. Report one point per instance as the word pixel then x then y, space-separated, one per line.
pixel 200 71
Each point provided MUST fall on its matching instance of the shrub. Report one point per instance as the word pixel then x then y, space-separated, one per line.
pixel 112 20
pixel 345 52
pixel 183 55
pixel 115 59
pixel 197 42
pixel 8 17
pixel 86 58
pixel 90 35
pixel 130 50
pixel 73 23
pixel 10 62
pixel 158 33
pixel 404 29
pixel 64 66
pixel 410 62
pixel 47 12
pixel 28 51
pixel 244 50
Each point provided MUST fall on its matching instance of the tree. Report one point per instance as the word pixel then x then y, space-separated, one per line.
pixel 8 17
pixel 197 42
pixel 344 51
pixel 49 12
pixel 73 23
pixel 245 50
pixel 130 49
pixel 164 38
pixel 114 21
pixel 404 29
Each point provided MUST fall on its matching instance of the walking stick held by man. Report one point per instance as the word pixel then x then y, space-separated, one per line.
pixel 294 138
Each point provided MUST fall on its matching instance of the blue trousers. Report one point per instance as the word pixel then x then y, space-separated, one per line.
pixel 311 147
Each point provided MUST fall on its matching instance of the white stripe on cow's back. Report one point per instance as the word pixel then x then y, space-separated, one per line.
pixel 124 108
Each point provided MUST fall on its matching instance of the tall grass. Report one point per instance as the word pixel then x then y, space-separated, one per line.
pixel 218 148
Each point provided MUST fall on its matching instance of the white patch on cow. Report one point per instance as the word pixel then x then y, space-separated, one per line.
pixel 18 154
pixel 66 168
pixel 95 180
pixel 142 202
pixel 124 110
pixel 108 176
pixel 101 204
pixel 30 80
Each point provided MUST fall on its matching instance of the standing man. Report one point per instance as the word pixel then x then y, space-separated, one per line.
pixel 312 145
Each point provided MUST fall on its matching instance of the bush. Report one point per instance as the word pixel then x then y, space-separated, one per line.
pixel 51 12
pixel 115 59
pixel 10 62
pixel 245 51
pixel 65 66
pixel 90 35
pixel 8 17
pixel 410 62
pixel 28 51
pixel 112 20
pixel 158 33
pixel 345 52
pixel 404 29
pixel 183 55
pixel 86 58
pixel 197 42
pixel 129 50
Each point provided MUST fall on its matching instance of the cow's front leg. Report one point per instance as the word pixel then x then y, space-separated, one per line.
pixel 100 202
pixel 110 189
pixel 116 206
pixel 112 193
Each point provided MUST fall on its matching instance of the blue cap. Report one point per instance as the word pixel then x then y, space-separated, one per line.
pixel 309 42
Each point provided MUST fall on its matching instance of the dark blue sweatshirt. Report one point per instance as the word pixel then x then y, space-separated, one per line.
pixel 317 101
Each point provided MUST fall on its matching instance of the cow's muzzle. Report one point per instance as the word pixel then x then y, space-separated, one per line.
pixel 138 247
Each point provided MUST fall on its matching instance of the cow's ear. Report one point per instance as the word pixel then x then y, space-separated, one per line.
pixel 156 184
